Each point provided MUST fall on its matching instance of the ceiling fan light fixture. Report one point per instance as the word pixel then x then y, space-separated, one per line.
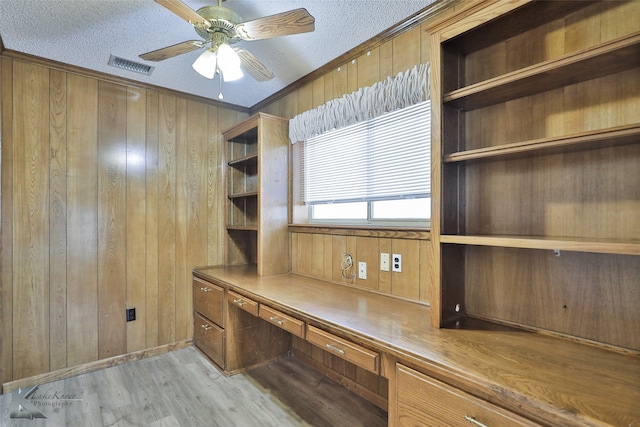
pixel 205 65
pixel 229 63
pixel 231 74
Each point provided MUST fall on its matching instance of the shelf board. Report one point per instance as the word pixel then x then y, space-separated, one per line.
pixel 550 243
pixel 245 159
pixel 241 195
pixel 242 227
pixel 618 135
pixel 609 58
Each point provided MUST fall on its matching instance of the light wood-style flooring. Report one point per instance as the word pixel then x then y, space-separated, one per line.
pixel 182 388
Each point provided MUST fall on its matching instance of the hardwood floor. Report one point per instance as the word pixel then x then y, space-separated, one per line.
pixel 182 388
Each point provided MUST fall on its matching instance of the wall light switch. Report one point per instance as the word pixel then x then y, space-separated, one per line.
pixel 384 262
pixel 362 270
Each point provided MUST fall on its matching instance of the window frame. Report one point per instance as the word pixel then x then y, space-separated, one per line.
pixel 370 220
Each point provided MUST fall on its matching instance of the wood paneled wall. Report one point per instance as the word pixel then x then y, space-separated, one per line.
pixel 110 196
pixel 319 254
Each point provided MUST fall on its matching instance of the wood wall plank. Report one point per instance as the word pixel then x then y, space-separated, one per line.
pixel 386 60
pixel 317 255
pixel 214 189
pixel 6 216
pixel 340 84
pixel 369 68
pixel 58 221
pixel 112 217
pixel 31 220
pixel 384 277
pixel 291 104
pixel 406 50
pixel 406 283
pixel 136 216
pixel 304 253
pixel 182 202
pixel 151 317
pixel 82 220
pixel 167 219
pixel 197 203
pixel 367 251
pixel 328 91
pixel 305 97
pixel 318 92
pixel 425 43
pixel 352 76
pixel 338 250
pixel 327 258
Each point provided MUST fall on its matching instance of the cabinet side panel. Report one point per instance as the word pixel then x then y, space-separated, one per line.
pixel 273 180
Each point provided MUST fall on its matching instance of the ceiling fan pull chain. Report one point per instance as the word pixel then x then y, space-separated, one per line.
pixel 220 80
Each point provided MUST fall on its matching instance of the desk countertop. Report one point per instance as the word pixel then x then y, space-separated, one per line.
pixel 558 381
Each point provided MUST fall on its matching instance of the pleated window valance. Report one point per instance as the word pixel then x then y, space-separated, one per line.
pixel 405 89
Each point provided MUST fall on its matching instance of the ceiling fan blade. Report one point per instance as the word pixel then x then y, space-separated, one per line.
pixel 253 66
pixel 281 24
pixel 185 12
pixel 171 51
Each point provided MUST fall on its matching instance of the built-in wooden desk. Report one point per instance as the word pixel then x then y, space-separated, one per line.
pixel 546 379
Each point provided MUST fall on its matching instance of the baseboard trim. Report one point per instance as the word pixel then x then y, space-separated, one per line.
pixel 85 368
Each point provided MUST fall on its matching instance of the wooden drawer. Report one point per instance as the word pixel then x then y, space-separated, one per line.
pixel 208 300
pixel 349 351
pixel 422 400
pixel 281 320
pixel 244 303
pixel 209 338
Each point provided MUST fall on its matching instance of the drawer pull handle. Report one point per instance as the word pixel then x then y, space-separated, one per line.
pixel 206 327
pixel 335 349
pixel 275 319
pixel 238 302
pixel 205 289
pixel 473 421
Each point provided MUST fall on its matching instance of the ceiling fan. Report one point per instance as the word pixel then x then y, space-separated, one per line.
pixel 221 27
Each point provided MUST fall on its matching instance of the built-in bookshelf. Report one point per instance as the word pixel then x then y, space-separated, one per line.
pixel 536 147
pixel 257 156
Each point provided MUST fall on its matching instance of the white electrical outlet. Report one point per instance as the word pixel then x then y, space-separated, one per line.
pixel 396 260
pixel 362 270
pixel 384 262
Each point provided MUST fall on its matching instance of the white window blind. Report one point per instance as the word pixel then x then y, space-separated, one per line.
pixel 384 158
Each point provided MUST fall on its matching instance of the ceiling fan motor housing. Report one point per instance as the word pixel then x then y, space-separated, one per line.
pixel 222 19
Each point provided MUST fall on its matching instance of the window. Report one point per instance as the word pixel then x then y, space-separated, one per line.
pixel 373 172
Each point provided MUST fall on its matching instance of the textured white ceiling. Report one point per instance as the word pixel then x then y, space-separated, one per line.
pixel 85 32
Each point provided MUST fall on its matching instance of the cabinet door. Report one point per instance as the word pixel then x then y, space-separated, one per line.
pixel 424 401
pixel 208 300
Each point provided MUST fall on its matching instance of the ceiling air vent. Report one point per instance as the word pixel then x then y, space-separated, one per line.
pixel 137 67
